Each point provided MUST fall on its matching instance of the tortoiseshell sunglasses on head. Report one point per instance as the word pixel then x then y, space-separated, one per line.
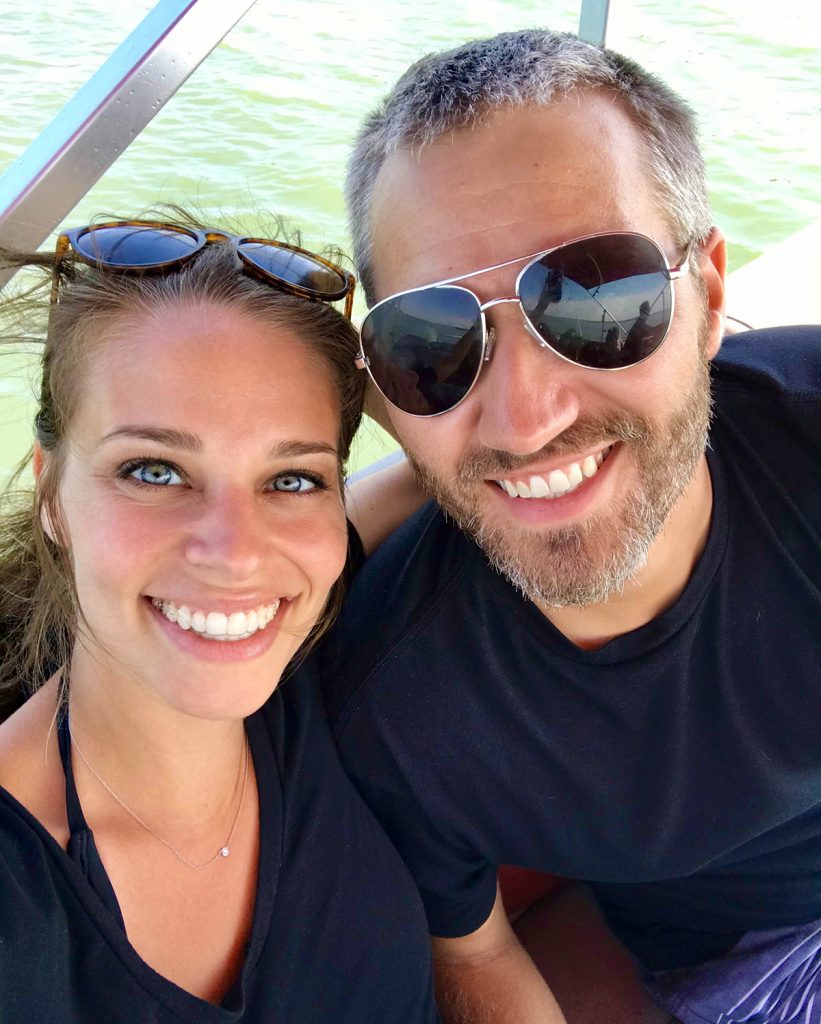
pixel 155 246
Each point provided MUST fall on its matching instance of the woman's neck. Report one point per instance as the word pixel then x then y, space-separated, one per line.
pixel 178 771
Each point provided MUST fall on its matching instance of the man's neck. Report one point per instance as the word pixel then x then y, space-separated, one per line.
pixel 659 583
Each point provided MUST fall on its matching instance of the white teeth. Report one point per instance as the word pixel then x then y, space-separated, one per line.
pixel 558 481
pixel 590 466
pixel 218 625
pixel 538 487
pixel 237 624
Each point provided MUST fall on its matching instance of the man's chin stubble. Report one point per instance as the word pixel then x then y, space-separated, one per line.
pixel 589 562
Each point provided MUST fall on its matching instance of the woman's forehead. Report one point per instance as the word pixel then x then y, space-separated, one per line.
pixel 213 369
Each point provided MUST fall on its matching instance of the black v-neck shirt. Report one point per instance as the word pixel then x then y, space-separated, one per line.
pixel 338 932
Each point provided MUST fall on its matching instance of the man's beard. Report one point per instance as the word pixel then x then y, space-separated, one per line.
pixel 587 562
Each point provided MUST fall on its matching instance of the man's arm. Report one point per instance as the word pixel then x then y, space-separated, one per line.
pixel 593 976
pixel 380 501
pixel 487 978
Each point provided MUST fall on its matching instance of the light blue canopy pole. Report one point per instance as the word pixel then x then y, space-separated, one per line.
pixel 107 114
pixel 593 21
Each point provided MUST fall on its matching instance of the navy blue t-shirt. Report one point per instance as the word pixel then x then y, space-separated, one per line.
pixel 678 768
pixel 338 932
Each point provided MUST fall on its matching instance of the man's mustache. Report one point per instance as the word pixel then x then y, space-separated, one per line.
pixel 481 463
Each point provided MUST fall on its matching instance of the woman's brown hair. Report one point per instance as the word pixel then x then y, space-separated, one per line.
pixel 39 613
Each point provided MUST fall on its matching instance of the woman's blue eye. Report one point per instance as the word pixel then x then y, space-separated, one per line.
pixel 158 474
pixel 293 484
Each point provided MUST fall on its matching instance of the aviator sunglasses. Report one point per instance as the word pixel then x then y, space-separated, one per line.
pixel 604 302
pixel 156 246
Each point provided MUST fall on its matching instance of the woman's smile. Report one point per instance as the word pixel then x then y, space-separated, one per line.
pixel 207 646
pixel 218 625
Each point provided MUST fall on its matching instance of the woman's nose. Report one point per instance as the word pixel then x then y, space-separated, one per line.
pixel 229 537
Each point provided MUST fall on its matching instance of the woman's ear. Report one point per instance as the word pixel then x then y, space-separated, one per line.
pixel 38 464
pixel 37 460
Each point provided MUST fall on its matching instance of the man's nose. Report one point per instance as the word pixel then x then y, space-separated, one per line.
pixel 229 537
pixel 528 393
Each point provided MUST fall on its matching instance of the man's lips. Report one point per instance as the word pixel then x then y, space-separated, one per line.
pixel 556 482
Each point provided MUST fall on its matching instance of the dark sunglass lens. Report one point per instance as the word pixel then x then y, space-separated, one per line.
pixel 132 246
pixel 425 348
pixel 603 302
pixel 296 268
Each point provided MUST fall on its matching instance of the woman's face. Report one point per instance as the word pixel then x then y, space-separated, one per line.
pixel 201 500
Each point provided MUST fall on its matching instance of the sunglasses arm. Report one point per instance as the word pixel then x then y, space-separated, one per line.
pixel 349 297
pixel 674 273
pixel 60 250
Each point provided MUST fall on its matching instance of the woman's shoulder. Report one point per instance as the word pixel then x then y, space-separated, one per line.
pixel 30 768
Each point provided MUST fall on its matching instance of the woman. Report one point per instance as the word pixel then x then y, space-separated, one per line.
pixel 177 839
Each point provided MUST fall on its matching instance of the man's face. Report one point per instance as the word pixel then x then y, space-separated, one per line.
pixel 626 443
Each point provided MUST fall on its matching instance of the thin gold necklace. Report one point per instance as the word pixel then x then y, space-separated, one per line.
pixel 223 851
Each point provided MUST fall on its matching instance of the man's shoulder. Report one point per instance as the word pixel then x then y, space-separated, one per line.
pixel 418 561
pixel 401 586
pixel 765 438
pixel 775 360
pixel 767 390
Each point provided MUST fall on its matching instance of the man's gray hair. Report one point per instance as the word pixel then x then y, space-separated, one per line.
pixel 454 90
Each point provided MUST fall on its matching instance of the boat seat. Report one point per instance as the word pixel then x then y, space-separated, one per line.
pixel 521 888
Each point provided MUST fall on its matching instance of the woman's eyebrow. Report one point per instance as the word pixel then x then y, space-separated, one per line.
pixel 161 435
pixel 293 449
pixel 186 441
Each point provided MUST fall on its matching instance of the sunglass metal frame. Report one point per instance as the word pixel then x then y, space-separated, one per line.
pixel 488 334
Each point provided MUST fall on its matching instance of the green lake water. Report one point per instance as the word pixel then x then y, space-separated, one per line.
pixel 267 121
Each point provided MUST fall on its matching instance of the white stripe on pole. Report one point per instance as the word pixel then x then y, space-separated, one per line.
pixel 105 116
pixel 593 21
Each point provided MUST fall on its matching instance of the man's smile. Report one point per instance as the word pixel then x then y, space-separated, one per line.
pixel 556 482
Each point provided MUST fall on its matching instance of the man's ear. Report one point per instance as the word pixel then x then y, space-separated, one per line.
pixel 377 408
pixel 713 269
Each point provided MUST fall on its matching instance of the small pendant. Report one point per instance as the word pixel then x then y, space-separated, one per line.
pixel 224 851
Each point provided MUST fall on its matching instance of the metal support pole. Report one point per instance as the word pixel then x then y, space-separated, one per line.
pixel 593 21
pixel 107 114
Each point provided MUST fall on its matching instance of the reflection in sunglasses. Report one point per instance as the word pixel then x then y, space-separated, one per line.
pixel 602 302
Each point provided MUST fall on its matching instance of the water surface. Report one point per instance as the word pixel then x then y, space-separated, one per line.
pixel 267 121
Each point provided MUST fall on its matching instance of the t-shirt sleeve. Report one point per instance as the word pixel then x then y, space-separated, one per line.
pixel 456 883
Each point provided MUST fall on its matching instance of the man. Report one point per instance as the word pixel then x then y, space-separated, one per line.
pixel 601 659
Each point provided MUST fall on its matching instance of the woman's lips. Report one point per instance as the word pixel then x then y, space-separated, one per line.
pixel 218 625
